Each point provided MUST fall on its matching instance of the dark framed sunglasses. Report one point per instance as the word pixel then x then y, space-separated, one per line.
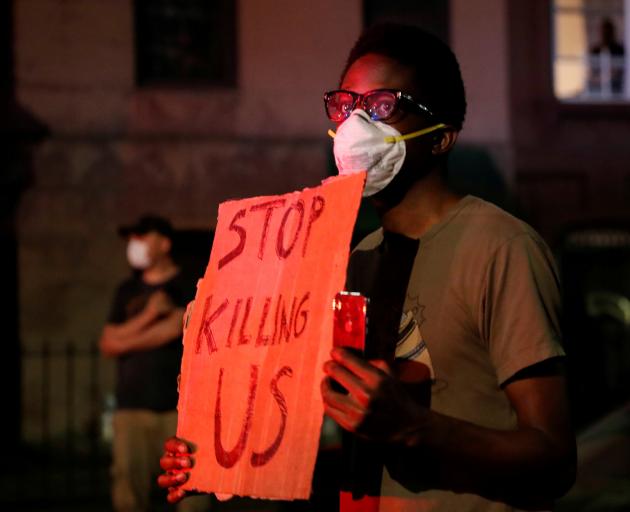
pixel 380 104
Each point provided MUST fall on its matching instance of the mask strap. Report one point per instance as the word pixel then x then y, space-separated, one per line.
pixel 413 135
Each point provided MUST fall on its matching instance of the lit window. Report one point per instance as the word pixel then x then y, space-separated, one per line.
pixel 590 62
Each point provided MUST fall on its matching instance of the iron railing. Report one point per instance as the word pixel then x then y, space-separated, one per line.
pixel 64 459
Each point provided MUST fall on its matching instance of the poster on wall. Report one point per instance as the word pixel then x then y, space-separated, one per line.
pixel 257 337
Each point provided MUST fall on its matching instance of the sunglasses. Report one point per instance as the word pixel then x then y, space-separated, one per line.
pixel 380 104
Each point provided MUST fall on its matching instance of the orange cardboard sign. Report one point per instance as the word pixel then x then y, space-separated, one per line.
pixel 257 337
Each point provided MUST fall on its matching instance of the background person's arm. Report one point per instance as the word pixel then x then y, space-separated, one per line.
pixel 158 323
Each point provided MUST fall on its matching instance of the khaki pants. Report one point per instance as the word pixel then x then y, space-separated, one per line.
pixel 138 444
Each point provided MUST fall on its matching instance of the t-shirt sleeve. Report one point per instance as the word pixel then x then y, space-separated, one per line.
pixel 117 314
pixel 521 306
pixel 183 289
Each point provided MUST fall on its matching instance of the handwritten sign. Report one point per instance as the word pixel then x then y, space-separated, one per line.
pixel 258 335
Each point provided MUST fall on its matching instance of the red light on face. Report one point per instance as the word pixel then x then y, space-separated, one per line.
pixel 349 320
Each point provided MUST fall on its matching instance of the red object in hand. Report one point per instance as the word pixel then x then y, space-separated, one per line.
pixel 349 320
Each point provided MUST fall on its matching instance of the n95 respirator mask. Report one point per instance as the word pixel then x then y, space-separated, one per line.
pixel 361 144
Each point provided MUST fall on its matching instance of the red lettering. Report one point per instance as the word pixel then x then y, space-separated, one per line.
pixel 303 315
pixel 245 338
pixel 233 322
pixel 241 244
pixel 285 323
pixel 261 458
pixel 227 458
pixel 247 324
pixel 205 330
pixel 269 207
pixel 263 339
pixel 275 321
pixel 281 250
pixel 317 208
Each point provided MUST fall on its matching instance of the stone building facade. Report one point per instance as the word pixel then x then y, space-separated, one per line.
pixel 117 150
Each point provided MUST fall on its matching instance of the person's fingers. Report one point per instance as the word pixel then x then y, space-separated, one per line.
pixel 381 365
pixel 340 407
pixel 175 445
pixel 175 495
pixel 351 382
pixel 371 372
pixel 172 480
pixel 333 397
pixel 340 418
pixel 169 462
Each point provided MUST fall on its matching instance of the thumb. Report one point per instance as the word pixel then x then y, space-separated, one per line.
pixel 382 365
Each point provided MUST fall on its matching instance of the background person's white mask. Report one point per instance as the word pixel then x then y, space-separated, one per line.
pixel 138 254
pixel 373 146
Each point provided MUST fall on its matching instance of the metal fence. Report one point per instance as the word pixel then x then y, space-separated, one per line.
pixel 595 266
pixel 64 462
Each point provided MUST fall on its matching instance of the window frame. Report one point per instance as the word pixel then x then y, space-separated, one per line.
pixel 225 59
pixel 615 104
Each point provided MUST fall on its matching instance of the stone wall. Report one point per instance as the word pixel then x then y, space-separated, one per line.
pixel 117 151
pixel 70 255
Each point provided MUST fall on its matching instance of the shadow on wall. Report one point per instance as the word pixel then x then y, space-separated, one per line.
pixel 472 170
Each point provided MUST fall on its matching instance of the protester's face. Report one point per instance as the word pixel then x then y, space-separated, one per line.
pixel 374 71
pixel 156 244
pixel 159 245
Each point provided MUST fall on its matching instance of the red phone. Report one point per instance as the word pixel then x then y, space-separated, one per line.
pixel 350 320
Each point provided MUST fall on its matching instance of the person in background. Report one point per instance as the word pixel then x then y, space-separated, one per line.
pixel 469 412
pixel 144 335
pixel 607 62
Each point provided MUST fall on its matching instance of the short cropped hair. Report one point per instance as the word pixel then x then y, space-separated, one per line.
pixel 436 70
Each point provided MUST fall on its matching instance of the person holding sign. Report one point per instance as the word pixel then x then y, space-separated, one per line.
pixel 480 303
pixel 460 392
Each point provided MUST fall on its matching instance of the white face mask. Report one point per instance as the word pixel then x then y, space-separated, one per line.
pixel 373 146
pixel 138 254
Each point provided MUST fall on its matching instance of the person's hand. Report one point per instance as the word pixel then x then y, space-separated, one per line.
pixel 160 303
pixel 110 346
pixel 175 461
pixel 378 406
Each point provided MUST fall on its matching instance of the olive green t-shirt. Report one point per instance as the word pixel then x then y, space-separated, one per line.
pixel 482 303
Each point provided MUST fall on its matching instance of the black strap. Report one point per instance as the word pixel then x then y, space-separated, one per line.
pixel 390 266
